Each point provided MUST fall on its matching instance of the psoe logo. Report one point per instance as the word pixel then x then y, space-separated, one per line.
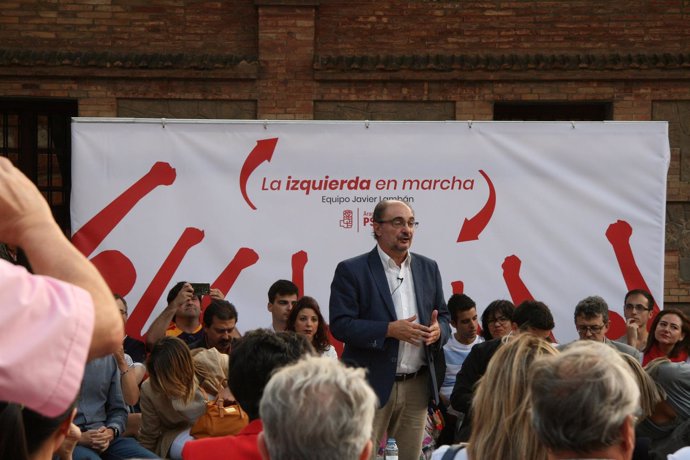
pixel 347 220
pixel 367 219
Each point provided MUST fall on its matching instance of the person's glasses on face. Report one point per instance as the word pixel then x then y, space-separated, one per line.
pixel 584 330
pixel 638 308
pixel 399 222
pixel 499 320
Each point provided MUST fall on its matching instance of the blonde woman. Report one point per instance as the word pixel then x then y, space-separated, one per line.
pixel 650 394
pixel 501 425
pixel 172 399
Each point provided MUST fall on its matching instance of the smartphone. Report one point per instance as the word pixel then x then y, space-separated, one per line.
pixel 201 289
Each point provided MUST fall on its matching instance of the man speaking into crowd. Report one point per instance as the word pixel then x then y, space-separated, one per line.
pixel 387 306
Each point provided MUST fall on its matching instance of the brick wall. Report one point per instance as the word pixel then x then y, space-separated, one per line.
pixel 130 25
pixel 286 52
pixel 426 26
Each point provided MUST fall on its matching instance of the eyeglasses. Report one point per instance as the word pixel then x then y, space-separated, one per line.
pixel 637 308
pixel 399 222
pixel 499 319
pixel 582 330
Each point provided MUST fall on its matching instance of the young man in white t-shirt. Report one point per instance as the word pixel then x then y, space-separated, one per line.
pixel 463 317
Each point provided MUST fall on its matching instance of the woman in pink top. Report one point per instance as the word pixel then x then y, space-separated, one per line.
pixel 55 319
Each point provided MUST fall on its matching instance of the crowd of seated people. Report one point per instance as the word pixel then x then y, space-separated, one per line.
pixel 188 365
pixel 531 322
pixel 658 426
pixel 161 398
pixel 76 389
pixel 140 399
pixel 167 393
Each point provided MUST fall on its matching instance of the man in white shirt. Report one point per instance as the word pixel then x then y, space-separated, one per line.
pixel 388 308
pixel 638 309
pixel 463 317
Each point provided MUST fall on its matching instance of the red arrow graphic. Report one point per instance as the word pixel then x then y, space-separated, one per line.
pixel 471 228
pixel 262 152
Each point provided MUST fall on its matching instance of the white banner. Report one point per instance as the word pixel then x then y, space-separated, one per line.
pixel 552 211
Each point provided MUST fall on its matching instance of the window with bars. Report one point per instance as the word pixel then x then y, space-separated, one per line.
pixel 35 135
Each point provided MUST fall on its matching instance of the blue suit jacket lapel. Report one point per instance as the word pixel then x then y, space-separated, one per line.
pixel 376 267
pixel 419 273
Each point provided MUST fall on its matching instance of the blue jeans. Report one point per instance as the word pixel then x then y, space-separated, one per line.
pixel 119 449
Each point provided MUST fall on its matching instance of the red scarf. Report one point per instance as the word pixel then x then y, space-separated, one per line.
pixel 655 352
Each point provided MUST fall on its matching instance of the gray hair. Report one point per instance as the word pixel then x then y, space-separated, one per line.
pixel 317 409
pixel 582 397
pixel 591 306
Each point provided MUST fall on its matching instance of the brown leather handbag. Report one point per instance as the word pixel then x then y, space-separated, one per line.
pixel 220 420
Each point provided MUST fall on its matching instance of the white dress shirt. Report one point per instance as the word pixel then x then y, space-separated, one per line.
pixel 401 285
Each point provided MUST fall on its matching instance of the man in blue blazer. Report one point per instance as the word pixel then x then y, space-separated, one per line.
pixel 388 308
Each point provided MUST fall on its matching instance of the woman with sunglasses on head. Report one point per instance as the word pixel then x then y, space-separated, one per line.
pixel 668 337
pixel 175 394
